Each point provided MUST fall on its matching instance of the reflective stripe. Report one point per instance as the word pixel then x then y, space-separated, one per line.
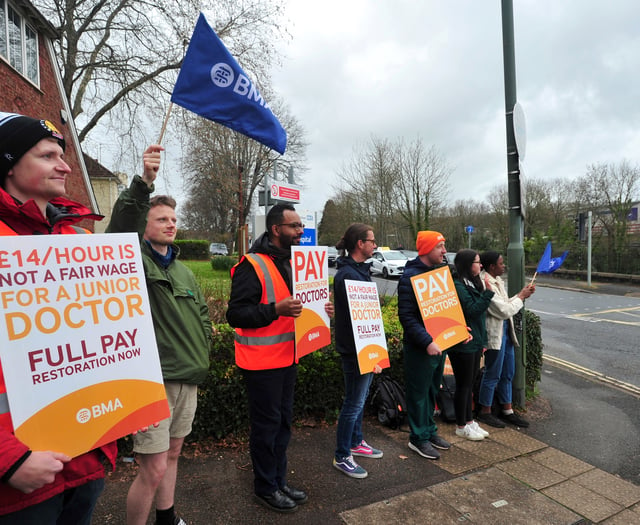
pixel 268 281
pixel 4 404
pixel 266 340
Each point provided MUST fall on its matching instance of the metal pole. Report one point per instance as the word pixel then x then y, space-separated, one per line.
pixel 240 235
pixel 515 250
pixel 589 248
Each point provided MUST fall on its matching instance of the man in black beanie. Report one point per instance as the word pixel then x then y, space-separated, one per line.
pixel 41 487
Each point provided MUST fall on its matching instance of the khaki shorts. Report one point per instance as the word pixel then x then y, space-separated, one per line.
pixel 183 399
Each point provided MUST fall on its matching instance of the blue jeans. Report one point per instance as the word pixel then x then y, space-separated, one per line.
pixel 499 368
pixel 356 388
pixel 71 507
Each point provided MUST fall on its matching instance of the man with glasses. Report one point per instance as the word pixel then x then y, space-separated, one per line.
pixel 262 309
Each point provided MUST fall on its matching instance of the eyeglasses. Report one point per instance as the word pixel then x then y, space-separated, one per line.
pixel 369 240
pixel 476 262
pixel 294 225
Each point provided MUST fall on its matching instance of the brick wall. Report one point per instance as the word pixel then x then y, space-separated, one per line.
pixel 18 95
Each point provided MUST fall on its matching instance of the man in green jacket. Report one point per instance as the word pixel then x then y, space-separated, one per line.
pixel 183 333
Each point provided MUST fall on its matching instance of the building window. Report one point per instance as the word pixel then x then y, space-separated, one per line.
pixel 18 42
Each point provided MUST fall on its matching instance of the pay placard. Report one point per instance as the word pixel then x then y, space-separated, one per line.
pixel 77 345
pixel 440 307
pixel 310 270
pixel 367 324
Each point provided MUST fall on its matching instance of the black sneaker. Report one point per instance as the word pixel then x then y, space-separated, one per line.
pixel 515 420
pixel 439 442
pixel 489 419
pixel 425 449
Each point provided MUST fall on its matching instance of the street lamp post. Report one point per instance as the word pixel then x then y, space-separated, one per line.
pixel 515 250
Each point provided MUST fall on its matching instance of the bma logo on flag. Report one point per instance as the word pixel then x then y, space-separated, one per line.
pixel 222 75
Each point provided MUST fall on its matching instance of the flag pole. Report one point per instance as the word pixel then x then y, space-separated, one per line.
pixel 164 124
pixel 533 279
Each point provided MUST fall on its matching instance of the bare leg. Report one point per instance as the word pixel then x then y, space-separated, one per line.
pixel 167 487
pixel 153 468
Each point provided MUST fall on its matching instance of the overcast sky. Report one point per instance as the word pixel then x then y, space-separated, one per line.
pixel 431 68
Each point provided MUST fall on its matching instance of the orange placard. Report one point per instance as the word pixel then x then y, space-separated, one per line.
pixel 440 307
pixel 310 272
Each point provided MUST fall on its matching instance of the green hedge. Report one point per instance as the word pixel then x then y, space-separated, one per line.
pixel 534 347
pixel 223 262
pixel 194 250
pixel 222 403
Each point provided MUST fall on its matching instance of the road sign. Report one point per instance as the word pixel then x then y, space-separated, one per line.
pixel 469 229
pixel 285 192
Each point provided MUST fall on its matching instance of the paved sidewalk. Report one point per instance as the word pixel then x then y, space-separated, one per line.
pixel 509 478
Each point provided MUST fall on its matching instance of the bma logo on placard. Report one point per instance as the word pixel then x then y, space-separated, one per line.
pixel 84 415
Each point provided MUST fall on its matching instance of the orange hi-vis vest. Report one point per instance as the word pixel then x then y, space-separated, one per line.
pixel 5 416
pixel 271 346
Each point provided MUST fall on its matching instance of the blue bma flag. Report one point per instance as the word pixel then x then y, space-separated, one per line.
pixel 550 264
pixel 213 85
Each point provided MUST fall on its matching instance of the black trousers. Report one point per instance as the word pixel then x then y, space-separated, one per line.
pixel 465 367
pixel 270 412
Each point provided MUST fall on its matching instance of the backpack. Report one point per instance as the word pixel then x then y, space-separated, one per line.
pixel 387 400
pixel 444 398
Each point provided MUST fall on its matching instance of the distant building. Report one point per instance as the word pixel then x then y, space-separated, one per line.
pixel 31 84
pixel 106 188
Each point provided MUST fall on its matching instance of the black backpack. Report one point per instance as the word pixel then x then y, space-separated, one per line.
pixel 444 398
pixel 387 401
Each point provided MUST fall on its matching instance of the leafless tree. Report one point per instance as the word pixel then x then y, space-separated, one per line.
pixel 422 186
pixel 398 186
pixel 117 56
pixel 226 169
pixel 610 189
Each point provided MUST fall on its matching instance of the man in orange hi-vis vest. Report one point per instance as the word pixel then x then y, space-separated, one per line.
pixel 262 310
pixel 40 487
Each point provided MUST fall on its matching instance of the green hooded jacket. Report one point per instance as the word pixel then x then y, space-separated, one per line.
pixel 179 310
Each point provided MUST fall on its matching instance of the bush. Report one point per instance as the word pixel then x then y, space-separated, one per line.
pixel 193 250
pixel 223 262
pixel 222 399
pixel 222 402
pixel 534 346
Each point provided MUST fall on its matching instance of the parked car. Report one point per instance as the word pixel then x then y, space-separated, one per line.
pixel 388 263
pixel 218 248
pixel 450 258
pixel 332 255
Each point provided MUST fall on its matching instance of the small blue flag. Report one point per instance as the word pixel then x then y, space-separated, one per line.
pixel 213 85
pixel 550 264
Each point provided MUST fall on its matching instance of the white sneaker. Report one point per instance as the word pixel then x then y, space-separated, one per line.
pixel 468 432
pixel 479 429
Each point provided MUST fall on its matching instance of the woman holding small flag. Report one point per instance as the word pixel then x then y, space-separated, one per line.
pixel 499 359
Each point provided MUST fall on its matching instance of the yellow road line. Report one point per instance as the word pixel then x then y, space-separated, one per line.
pixel 592 374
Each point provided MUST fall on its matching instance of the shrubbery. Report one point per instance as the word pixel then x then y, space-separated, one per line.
pixel 534 346
pixel 193 249
pixel 223 262
pixel 222 403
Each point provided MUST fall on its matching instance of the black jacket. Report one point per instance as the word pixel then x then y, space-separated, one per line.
pixel 347 269
pixel 415 334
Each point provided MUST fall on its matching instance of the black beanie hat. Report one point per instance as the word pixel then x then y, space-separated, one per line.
pixel 18 134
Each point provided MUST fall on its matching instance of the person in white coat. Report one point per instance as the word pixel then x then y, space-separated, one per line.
pixel 499 359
